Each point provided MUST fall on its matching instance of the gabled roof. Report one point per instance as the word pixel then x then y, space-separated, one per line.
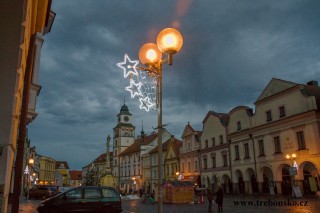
pixel 75 175
pixel 136 146
pixel 187 128
pixel 176 144
pixel 224 117
pixel 101 158
pixel 275 86
pixel 62 165
pixel 248 110
pixel 164 147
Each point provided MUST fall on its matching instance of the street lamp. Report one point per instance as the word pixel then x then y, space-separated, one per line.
pixel 169 41
pixel 293 169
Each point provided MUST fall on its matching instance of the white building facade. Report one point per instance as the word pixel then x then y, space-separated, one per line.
pixel 286 121
pixel 214 152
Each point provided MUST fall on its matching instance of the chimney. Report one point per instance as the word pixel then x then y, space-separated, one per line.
pixel 312 83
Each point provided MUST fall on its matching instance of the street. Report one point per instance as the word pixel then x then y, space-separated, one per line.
pixel 234 204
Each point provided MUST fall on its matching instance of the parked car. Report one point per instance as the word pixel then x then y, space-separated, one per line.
pixel 84 199
pixel 63 189
pixel 43 191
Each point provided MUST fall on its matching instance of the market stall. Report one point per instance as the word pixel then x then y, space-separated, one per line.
pixel 178 192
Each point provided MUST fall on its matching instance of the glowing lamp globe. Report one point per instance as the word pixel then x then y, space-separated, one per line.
pixel 149 54
pixel 31 161
pixel 169 41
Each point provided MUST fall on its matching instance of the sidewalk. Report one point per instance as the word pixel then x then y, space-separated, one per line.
pixel 26 206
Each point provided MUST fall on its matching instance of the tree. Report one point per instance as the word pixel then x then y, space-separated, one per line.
pixel 92 177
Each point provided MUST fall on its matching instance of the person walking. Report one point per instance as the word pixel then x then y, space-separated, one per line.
pixel 219 198
pixel 210 198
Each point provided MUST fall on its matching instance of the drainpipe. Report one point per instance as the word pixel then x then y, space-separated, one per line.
pixel 229 145
pixel 254 157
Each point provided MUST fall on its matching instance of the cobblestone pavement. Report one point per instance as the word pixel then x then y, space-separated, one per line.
pixel 232 204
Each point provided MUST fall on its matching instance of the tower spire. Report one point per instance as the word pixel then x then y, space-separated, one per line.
pixel 108 154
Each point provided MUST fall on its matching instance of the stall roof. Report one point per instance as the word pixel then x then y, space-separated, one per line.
pixel 178 183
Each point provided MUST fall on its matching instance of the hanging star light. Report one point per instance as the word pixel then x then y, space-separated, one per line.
pixel 142 85
pixel 128 66
pixel 145 103
pixel 134 89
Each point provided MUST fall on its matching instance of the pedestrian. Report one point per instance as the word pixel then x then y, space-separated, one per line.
pixel 210 198
pixel 140 192
pixel 219 198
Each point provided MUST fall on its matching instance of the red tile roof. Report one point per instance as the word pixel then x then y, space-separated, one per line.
pixel 136 146
pixel 75 175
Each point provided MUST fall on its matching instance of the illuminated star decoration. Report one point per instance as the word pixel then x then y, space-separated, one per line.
pixel 142 85
pixel 134 89
pixel 127 66
pixel 145 103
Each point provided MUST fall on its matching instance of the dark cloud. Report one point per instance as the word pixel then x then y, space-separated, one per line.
pixel 231 51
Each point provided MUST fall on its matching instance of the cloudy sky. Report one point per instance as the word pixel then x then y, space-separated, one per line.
pixel 231 50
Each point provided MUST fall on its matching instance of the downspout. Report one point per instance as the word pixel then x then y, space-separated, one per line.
pixel 254 156
pixel 229 147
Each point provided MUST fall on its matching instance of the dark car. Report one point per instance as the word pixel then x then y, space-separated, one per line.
pixel 43 191
pixel 84 199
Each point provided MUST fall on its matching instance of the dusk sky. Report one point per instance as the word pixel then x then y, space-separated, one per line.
pixel 231 50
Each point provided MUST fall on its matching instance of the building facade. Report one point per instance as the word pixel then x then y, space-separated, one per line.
pixel 214 152
pixel 189 155
pixel 63 168
pixel 131 162
pixel 286 121
pixel 47 170
pixel 22 36
pixel 171 160
pixel 123 137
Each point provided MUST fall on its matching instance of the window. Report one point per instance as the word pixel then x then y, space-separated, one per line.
pixel 189 167
pixel 213 141
pixel 225 160
pixel 109 193
pixel 246 150
pixel 214 164
pixel 92 193
pixel 261 148
pixel 236 151
pixel 195 165
pixel 182 165
pixel 282 112
pixel 238 125
pixel 167 171
pixel 221 139
pixel 277 147
pixel 206 145
pixel 301 141
pixel 74 194
pixel 269 116
pixel 205 163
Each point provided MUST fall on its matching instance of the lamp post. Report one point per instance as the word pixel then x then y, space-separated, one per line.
pixel 169 41
pixel 293 169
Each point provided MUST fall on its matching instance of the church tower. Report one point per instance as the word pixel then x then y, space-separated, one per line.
pixel 123 136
